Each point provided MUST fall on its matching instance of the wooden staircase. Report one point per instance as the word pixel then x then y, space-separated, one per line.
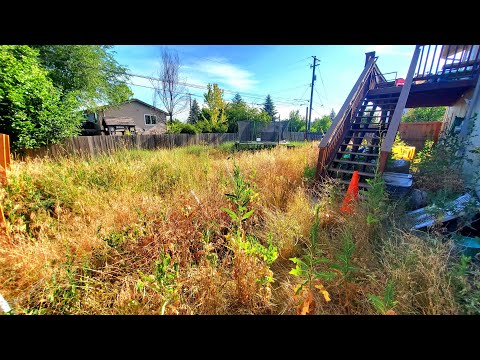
pixel 362 134
pixel 360 148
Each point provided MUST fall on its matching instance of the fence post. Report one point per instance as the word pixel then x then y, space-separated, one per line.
pixel 4 157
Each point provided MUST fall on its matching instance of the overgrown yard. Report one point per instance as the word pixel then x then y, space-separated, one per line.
pixel 204 230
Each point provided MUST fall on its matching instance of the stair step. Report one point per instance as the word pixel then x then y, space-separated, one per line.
pixel 365 137
pixel 356 153
pixel 377 102
pixel 354 162
pixel 360 184
pixel 373 129
pixel 361 145
pixel 361 173
pixel 365 130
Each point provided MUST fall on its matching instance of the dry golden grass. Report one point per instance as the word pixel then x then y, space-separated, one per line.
pixel 89 237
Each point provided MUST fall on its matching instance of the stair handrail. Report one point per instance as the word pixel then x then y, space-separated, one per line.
pixel 389 138
pixel 334 135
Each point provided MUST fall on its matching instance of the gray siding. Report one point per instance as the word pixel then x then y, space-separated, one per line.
pixel 136 111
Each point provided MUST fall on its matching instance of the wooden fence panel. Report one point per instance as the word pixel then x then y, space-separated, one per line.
pixel 88 146
pixel 415 134
pixel 4 158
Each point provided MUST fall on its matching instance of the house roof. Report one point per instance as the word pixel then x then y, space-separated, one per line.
pixel 138 101
pixel 102 107
pixel 157 129
pixel 119 121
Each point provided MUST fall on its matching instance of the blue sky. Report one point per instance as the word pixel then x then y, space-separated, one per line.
pixel 283 71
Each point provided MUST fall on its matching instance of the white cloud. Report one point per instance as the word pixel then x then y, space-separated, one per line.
pixel 218 70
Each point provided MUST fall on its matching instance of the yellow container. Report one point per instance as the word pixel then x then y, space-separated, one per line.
pixel 403 152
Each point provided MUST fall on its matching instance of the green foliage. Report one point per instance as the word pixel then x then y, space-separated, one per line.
pixel 344 259
pixel 375 200
pixel 195 113
pixel 437 167
pixel 424 114
pixel 321 125
pixel 163 281
pixel 217 118
pixel 311 266
pixel 297 122
pixel 399 142
pixel 89 72
pixel 309 172
pixel 116 239
pixel 269 108
pixel 32 111
pixel 465 278
pixel 241 197
pixel 253 247
pixel 237 111
pixel 60 294
pixel 178 127
pixel 385 303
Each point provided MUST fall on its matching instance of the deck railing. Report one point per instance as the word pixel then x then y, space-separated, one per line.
pixel 368 79
pixel 447 62
pixel 389 138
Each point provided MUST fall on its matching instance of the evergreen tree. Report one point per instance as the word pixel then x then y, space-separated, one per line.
pixel 332 114
pixel 195 113
pixel 237 100
pixel 269 108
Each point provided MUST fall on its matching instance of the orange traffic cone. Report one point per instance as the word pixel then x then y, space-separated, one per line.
pixel 352 194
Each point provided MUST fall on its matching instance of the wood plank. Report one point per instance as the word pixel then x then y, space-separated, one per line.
pixel 357 153
pixel 360 183
pixel 355 162
pixel 3 151
pixel 7 149
pixel 361 173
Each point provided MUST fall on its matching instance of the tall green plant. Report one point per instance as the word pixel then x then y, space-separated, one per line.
pixel 384 305
pixel 241 197
pixel 312 269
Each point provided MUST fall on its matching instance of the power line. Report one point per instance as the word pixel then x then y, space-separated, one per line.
pixel 319 97
pixel 301 97
pixel 195 86
pixel 323 85
pixel 296 87
pixel 285 103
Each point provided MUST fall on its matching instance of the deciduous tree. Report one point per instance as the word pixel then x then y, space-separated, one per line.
pixel 32 110
pixel 168 88
pixel 89 72
pixel 424 114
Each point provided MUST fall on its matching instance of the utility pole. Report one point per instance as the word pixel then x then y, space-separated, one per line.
pixel 311 91
pixel 306 122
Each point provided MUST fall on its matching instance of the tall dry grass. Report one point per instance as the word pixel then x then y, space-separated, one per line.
pixel 143 232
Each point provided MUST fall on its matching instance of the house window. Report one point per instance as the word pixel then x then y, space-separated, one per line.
pixel 150 119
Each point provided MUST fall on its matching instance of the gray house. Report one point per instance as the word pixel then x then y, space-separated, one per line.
pixel 131 116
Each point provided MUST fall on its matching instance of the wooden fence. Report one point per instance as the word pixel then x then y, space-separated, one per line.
pixel 415 134
pixel 4 157
pixel 104 144
pixel 4 163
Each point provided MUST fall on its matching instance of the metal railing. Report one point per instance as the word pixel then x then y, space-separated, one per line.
pixel 447 62
pixel 330 143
